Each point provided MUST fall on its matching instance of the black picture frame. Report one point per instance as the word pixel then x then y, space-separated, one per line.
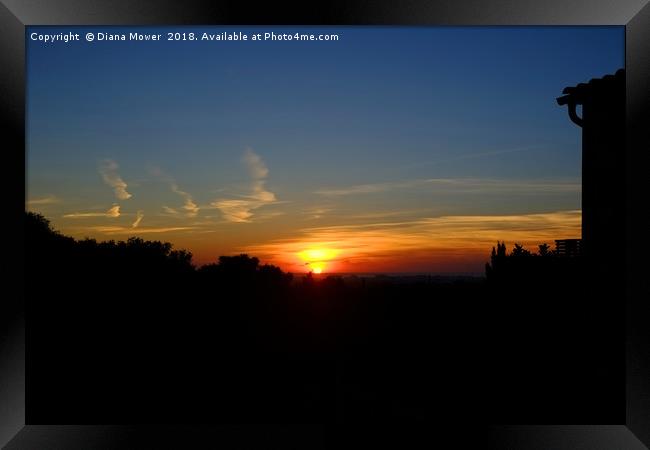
pixel 15 15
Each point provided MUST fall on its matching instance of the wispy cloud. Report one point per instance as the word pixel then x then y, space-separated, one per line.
pixel 365 188
pixel 47 200
pixel 140 230
pixel 385 214
pixel 474 155
pixel 108 171
pixel 113 211
pixel 460 185
pixel 435 243
pixel 240 210
pixel 138 219
pixel 317 212
pixel 255 165
pixel 189 206
pixel 235 210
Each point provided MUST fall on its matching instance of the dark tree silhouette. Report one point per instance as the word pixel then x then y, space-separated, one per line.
pixel 135 323
pixel 544 250
pixel 519 251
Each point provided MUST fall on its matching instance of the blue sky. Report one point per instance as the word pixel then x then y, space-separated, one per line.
pixel 351 127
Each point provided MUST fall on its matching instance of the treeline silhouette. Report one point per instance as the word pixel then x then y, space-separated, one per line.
pixel 523 267
pixel 131 331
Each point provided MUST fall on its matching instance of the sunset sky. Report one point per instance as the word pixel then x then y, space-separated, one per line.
pixel 390 150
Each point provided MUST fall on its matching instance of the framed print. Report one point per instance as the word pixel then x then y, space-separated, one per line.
pixel 308 225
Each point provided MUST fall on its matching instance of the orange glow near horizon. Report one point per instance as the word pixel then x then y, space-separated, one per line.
pixel 436 244
pixel 317 258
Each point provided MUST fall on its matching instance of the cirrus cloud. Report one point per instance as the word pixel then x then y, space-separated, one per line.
pixel 47 200
pixel 240 209
pixel 138 219
pixel 108 171
pixel 113 212
pixel 189 206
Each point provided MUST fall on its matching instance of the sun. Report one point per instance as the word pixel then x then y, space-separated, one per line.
pixel 316 259
pixel 317 254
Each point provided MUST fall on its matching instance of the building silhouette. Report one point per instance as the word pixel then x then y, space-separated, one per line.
pixel 602 120
pixel 568 247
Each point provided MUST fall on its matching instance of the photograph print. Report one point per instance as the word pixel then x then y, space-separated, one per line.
pixel 324 224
